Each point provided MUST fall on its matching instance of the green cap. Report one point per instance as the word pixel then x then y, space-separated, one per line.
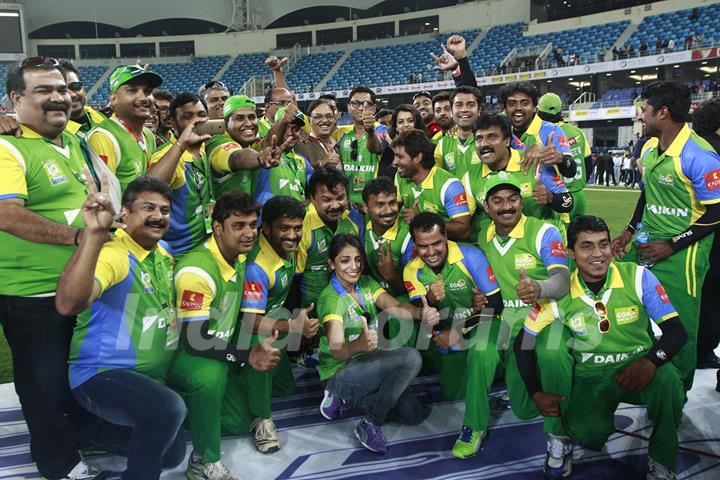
pixel 299 117
pixel 235 102
pixel 550 103
pixel 124 74
pixel 500 178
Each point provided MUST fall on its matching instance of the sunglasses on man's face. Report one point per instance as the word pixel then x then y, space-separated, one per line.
pixel 75 86
pixel 602 314
pixel 215 84
pixel 39 62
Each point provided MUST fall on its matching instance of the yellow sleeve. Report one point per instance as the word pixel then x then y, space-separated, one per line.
pixel 439 155
pixel 543 313
pixel 377 293
pixel 178 178
pixel 106 147
pixel 112 266
pixel 220 158
pixel 472 204
pixel 195 291
pixel 307 126
pixel 414 287
pixel 302 249
pixel 13 167
pixel 588 149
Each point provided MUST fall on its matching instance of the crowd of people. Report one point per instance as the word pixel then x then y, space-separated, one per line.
pixel 158 274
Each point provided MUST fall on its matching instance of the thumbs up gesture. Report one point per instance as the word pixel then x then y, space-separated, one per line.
pixel 409 213
pixel 368 339
pixel 264 357
pixel 309 325
pixel 539 155
pixel 527 289
pixel 436 292
pixel 429 315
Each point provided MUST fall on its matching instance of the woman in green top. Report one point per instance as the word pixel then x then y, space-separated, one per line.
pixel 358 374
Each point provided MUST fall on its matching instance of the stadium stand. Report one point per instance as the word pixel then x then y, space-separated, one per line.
pixel 678 26
pixel 244 67
pixel 310 70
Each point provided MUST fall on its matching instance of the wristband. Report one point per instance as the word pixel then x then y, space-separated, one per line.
pixel 630 228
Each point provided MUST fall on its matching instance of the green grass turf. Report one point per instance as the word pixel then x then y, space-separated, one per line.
pixel 615 207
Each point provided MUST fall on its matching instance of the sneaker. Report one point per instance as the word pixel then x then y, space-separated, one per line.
pixel 266 439
pixel 371 437
pixel 468 442
pixel 503 402
pixel 199 470
pixel 83 471
pixel 657 471
pixel 307 360
pixel 332 407
pixel 558 461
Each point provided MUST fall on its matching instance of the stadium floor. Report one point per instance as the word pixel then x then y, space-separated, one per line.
pixel 313 448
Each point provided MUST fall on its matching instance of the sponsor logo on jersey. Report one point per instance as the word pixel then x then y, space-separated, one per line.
pixel 626 315
pixel 668 180
pixel 191 300
pixel 524 260
pixel 670 211
pixel 557 249
pixel 53 172
pixel 360 168
pixel 146 281
pixel 490 274
pixel 526 189
pixel 431 207
pixel 533 315
pixel 450 161
pixel 572 141
pixel 712 180
pixel 459 285
pixel 460 199
pixel 563 141
pixel 409 286
pixel 663 294
pixel 252 290
pixel 514 303
pixel 578 325
pixel 322 245
pixel 284 280
pixel 230 146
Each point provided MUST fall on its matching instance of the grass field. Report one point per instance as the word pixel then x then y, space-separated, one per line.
pixel 615 205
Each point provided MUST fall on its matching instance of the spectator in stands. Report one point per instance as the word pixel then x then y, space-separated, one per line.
pixel 658 46
pixel 34 225
pixel 162 106
pixel 643 48
pixel 671 45
pixel 405 118
pixel 423 103
pixel 697 41
pixel 694 14
pixel 630 51
pixel 82 117
pixel 602 51
pixel 687 43
pixel 214 93
pixel 319 148
pixel 443 115
pixel 706 122
pixel 614 53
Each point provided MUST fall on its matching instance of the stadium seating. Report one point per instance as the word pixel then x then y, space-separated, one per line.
pixel 677 25
pixel 244 67
pixel 310 69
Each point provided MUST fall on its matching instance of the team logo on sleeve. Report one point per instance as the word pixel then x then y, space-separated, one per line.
pixel 490 274
pixel 558 181
pixel 460 199
pixel 661 291
pixel 191 300
pixel 563 141
pixel 409 286
pixel 557 249
pixel 533 315
pixel 712 180
pixel 252 290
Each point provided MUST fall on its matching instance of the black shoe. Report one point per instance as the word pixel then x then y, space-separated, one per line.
pixel 709 361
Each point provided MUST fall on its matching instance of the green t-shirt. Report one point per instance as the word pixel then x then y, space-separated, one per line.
pixel 678 183
pixel 335 304
pixel 359 163
pixel 613 326
pixel 454 155
pixel 219 149
pixel 208 288
pixel 401 249
pixel 267 279
pixel 131 325
pixel 52 184
pixel 439 193
pixel 288 178
pixel 579 149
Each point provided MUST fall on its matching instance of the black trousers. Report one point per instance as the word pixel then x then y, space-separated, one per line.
pixel 709 326
pixel 39 338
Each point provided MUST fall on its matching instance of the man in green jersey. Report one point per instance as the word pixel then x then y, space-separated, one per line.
pixel 425 187
pixel 122 141
pixel 442 109
pixel 208 287
pixel 362 146
pixel 456 279
pixel 269 272
pixel 529 261
pixel 456 152
pixel 544 194
pixel 275 98
pixel 125 337
pixel 550 109
pixel 327 215
pixel 679 208
pixel 617 359
pixel 214 93
pixel 41 191
pixel 82 117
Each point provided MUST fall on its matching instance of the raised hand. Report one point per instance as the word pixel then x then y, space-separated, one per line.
pixel 385 264
pixel 409 213
pixel 270 156
pixel 309 325
pixel 430 315
pixel 436 292
pixel 538 155
pixel 189 138
pixel 368 116
pixel 274 63
pixel 444 62
pixel 619 245
pixel 290 112
pixel 97 211
pixel 528 290
pixel 264 357
pixel 456 46
pixel 332 159
pixel 10 126
pixel 368 339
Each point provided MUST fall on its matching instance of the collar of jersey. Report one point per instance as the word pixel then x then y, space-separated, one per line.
pixel 313 217
pixel 512 166
pixel 517 232
pixel 390 233
pixel 28 132
pixel 226 270
pixel 613 280
pixel 675 148
pixel 128 242
pixel 454 253
pixel 534 127
pixel 427 184
pixel 274 261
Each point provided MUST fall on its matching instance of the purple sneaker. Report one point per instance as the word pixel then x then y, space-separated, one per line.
pixel 371 437
pixel 332 407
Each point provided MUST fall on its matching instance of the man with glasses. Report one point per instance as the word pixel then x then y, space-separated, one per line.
pixel 164 132
pixel 214 93
pixel 617 359
pixel 41 191
pixel 275 99
pixel 82 117
pixel 422 102
pixel 361 147
pixel 319 148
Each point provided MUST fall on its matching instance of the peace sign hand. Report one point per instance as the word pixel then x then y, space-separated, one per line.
pixel 97 211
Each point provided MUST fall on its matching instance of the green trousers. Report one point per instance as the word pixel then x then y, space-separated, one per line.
pixel 595 397
pixel 452 368
pixel 682 275
pixel 491 357
pixel 579 204
pixel 201 382
pixel 249 392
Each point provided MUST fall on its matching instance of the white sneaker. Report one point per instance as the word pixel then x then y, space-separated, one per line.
pixel 83 471
pixel 199 470
pixel 657 471
pixel 558 461
pixel 266 439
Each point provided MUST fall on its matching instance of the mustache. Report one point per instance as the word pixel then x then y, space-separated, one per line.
pixel 486 150
pixel 155 223
pixel 55 106
pixel 510 211
pixel 143 103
